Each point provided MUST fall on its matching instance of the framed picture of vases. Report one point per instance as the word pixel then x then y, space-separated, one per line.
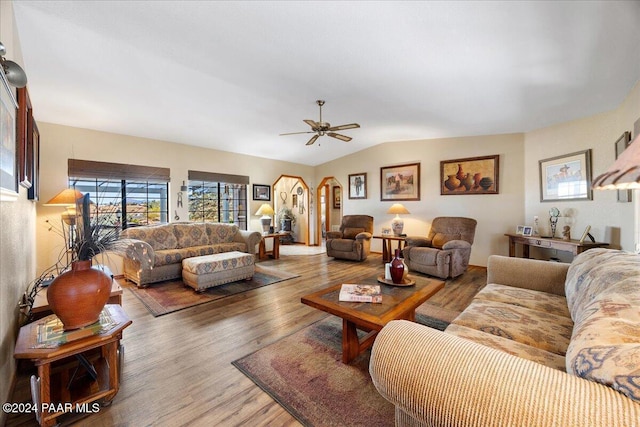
pixel 473 175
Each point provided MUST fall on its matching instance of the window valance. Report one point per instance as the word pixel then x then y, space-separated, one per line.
pixel 105 170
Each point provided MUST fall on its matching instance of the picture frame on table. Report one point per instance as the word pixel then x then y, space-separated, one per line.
pixel 566 177
pixel 358 185
pixel 527 231
pixel 401 182
pixel 520 230
pixel 624 196
pixel 337 197
pixel 472 175
pixel 262 192
pixel 8 143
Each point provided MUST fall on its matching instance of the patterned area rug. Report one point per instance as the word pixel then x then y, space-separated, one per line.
pixel 170 296
pixel 304 373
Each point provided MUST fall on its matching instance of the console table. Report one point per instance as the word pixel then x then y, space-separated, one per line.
pixel 573 246
pixel 387 254
pixel 74 370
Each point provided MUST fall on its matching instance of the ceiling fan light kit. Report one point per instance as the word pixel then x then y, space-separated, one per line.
pixel 321 128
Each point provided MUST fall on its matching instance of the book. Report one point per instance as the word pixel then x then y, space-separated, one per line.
pixel 360 293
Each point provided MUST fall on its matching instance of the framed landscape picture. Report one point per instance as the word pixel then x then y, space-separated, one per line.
pixel 261 192
pixel 400 182
pixel 472 175
pixel 8 163
pixel 358 186
pixel 566 177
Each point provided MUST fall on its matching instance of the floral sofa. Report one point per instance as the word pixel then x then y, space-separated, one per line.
pixel 155 253
pixel 543 344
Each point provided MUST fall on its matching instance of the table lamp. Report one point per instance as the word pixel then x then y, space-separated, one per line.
pixel 66 198
pixel 397 224
pixel 266 211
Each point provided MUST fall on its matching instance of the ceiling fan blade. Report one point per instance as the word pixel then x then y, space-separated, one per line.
pixel 340 137
pixel 313 139
pixel 344 127
pixel 296 133
pixel 311 123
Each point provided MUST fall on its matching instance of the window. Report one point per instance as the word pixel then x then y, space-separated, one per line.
pixel 123 195
pixel 218 198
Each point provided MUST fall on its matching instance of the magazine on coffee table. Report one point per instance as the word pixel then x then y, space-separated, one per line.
pixel 360 293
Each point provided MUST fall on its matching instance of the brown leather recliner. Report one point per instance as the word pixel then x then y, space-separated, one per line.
pixel 353 241
pixel 446 250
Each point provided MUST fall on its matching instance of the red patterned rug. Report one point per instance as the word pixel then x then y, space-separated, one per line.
pixel 304 373
pixel 172 295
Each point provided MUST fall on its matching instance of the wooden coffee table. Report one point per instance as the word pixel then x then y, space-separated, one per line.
pixel 397 303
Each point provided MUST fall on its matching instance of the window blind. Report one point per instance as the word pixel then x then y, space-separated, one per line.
pixel 218 177
pixel 104 170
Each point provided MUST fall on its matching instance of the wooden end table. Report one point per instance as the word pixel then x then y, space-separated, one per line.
pixel 398 302
pixel 58 388
pixel 275 252
pixel 387 254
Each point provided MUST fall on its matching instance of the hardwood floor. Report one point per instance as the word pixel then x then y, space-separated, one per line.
pixel 177 368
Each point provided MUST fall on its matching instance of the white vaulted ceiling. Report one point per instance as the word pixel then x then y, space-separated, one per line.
pixel 234 75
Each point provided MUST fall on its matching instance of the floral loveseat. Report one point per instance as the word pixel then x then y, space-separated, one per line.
pixel 156 252
pixel 543 344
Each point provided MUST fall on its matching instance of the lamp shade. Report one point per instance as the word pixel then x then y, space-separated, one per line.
pixel 397 208
pixel 265 210
pixel 66 197
pixel 624 173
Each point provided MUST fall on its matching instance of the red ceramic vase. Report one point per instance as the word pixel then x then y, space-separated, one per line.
pixel 78 296
pixel 397 268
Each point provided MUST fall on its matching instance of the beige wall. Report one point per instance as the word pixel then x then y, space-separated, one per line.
pixel 610 221
pixel 496 213
pixel 17 241
pixel 59 143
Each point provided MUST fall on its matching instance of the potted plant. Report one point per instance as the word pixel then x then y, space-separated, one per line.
pixel 78 296
pixel 287 218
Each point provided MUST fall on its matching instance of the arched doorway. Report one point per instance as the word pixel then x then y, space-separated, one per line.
pixel 329 198
pixel 291 197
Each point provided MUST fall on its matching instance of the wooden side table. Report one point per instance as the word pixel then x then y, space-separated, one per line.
pixel 275 252
pixel 387 254
pixel 58 387
pixel 573 246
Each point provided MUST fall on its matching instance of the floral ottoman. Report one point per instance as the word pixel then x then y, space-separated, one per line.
pixel 206 271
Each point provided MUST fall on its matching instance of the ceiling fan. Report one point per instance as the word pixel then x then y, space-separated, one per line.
pixel 321 128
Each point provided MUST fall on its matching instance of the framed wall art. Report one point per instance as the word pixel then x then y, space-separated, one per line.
pixel 8 143
pixel 621 144
pixel 24 135
pixel 337 197
pixel 473 175
pixel 566 177
pixel 33 155
pixel 400 182
pixel 358 186
pixel 261 192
